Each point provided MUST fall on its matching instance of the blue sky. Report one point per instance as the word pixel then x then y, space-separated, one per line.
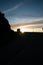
pixel 19 11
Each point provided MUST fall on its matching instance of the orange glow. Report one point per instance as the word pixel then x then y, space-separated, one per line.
pixel 28 28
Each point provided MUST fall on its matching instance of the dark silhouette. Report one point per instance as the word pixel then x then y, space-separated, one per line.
pixel 6 34
pixel 20 49
pixel 18 30
pixel 4 25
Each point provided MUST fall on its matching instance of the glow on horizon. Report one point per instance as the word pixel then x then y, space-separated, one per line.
pixel 28 29
pixel 25 30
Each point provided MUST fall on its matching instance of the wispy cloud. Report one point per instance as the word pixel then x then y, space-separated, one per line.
pixel 17 20
pixel 13 8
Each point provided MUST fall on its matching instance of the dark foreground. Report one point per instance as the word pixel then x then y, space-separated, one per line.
pixel 24 48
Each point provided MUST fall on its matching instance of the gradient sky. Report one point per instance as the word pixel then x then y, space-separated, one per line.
pixel 19 11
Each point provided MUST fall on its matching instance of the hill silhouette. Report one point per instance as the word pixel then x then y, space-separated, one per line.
pixel 6 34
pixel 17 48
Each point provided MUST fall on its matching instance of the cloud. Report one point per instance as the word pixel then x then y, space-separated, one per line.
pixel 26 21
pixel 13 8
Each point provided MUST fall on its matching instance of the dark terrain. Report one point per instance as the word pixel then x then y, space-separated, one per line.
pixel 17 48
pixel 23 49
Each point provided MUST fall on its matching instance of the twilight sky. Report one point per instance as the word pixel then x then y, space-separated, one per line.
pixel 19 11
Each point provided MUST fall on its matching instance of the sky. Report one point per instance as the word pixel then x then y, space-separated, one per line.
pixel 22 11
